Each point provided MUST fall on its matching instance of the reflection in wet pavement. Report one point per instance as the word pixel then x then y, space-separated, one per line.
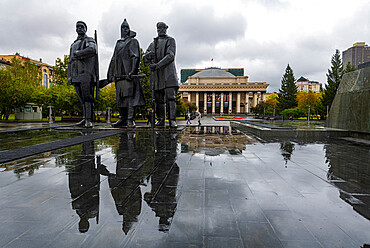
pixel 196 188
pixel 9 141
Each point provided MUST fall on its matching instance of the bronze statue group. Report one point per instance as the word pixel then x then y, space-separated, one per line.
pixel 83 73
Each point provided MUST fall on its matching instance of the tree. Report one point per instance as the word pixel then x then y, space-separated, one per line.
pixel 107 98
pixel 17 83
pixel 60 70
pixel 145 83
pixel 261 109
pixel 307 100
pixel 334 76
pixel 288 91
pixel 350 67
pixel 272 101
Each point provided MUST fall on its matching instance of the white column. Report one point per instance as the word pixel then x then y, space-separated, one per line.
pixel 213 103
pixel 205 103
pixel 264 97
pixel 222 104
pixel 254 104
pixel 247 102
pixel 238 103
pixel 197 100
pixel 230 101
pixel 189 97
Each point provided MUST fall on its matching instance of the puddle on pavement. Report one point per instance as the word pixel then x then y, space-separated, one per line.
pixel 9 141
pixel 133 181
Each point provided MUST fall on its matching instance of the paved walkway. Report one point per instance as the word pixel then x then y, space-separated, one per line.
pixel 162 189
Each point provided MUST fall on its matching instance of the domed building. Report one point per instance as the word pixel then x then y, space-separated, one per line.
pixel 218 91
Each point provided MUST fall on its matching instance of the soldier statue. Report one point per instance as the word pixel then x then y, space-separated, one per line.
pixel 83 71
pixel 123 70
pixel 164 82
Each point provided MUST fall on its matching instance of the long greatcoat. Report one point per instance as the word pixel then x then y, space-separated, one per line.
pixel 84 68
pixel 125 60
pixel 165 51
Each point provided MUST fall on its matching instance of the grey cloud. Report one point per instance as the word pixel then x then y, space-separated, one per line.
pixel 200 25
pixel 31 24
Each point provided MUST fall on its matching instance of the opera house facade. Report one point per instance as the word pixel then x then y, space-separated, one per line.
pixel 217 91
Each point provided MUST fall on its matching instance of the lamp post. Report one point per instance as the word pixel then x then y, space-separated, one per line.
pixel 308 117
pixel 108 110
pixel 50 118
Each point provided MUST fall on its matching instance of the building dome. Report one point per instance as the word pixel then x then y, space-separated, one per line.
pixel 213 72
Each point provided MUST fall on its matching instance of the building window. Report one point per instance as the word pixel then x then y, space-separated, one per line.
pixel 45 80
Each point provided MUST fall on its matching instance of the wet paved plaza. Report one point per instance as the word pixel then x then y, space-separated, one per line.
pixel 199 187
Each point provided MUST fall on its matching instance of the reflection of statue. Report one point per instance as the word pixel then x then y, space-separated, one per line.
pixel 162 198
pixel 84 184
pixel 161 54
pixel 123 70
pixel 83 71
pixel 287 149
pixel 124 184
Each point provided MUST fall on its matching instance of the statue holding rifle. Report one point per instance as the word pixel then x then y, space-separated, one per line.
pixel 123 70
pixel 83 72
pixel 164 82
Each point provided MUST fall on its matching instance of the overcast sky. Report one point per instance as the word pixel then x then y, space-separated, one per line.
pixel 261 36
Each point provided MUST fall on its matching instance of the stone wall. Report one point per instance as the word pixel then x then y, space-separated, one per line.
pixel 350 109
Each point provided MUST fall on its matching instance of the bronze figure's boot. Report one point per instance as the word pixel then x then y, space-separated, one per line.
pixel 161 114
pixel 88 111
pixel 131 117
pixel 172 114
pixel 122 122
pixel 82 123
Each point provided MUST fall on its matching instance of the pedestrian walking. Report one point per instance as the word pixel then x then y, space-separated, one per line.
pixel 188 119
pixel 199 117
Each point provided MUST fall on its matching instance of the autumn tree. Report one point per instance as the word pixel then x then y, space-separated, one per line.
pixel 17 83
pixel 306 101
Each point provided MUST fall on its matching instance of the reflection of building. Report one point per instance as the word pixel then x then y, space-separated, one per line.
pixel 217 91
pixel 45 69
pixel 304 84
pixel 214 139
pixel 357 54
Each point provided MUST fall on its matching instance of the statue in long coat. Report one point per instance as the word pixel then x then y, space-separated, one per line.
pixel 164 82
pixel 123 70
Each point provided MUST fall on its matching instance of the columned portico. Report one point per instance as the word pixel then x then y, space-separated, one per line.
pixel 219 92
